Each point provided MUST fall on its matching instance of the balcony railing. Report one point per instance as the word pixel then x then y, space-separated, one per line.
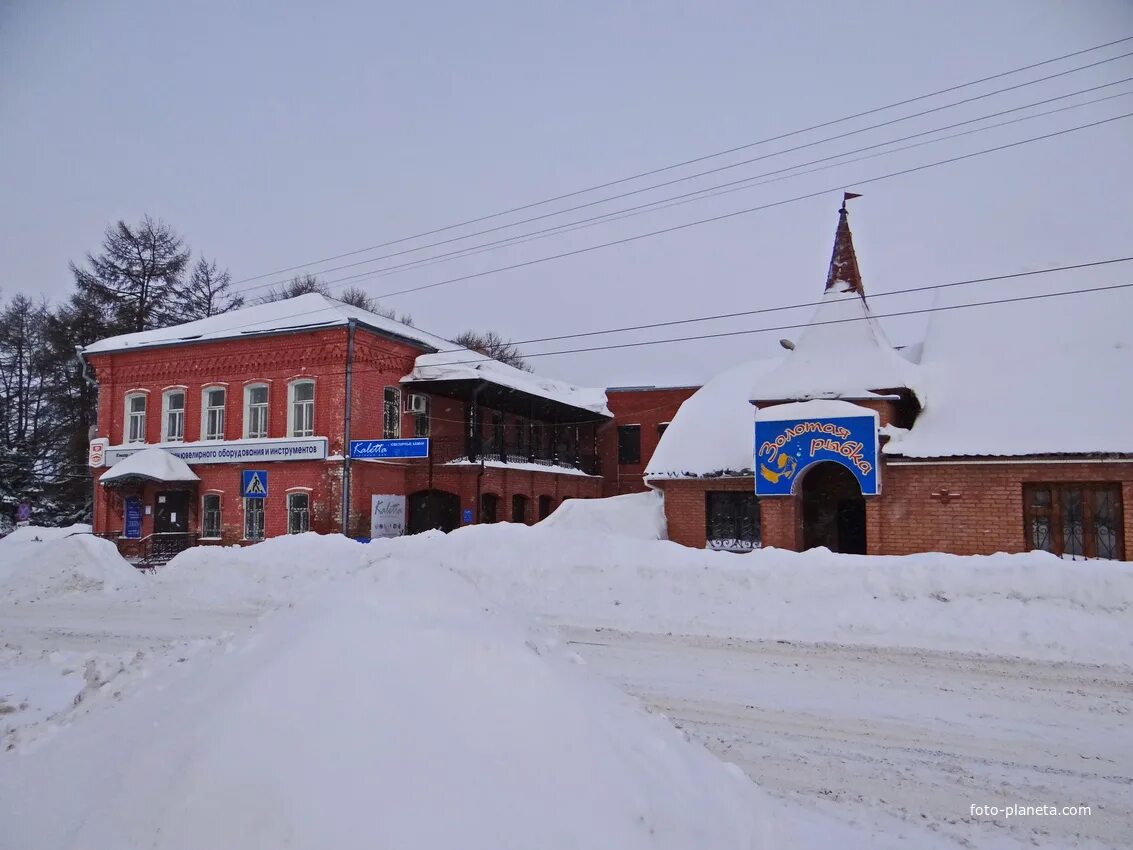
pixel 457 450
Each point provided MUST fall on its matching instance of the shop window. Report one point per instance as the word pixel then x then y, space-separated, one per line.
pixel 210 516
pixel 545 504
pixel 391 422
pixel 136 418
pixel 489 507
pixel 256 411
pixel 1074 520
pixel 253 519
pixel 173 416
pixel 519 508
pixel 732 519
pixel 298 513
pixel 629 444
pixel 212 418
pixel 302 409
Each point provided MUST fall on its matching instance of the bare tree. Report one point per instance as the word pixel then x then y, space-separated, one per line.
pixel 135 274
pixel 206 292
pixel 301 284
pixel 354 296
pixel 357 297
pixel 495 346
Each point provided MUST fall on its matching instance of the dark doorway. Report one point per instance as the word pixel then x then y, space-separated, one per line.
pixel 433 509
pixel 489 507
pixel 171 512
pixel 833 509
pixel 519 508
pixel 544 507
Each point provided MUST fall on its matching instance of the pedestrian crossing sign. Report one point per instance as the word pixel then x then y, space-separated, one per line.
pixel 255 484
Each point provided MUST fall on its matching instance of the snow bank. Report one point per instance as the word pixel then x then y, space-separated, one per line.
pixel 40 563
pixel 390 712
pixel 1031 605
pixel 637 515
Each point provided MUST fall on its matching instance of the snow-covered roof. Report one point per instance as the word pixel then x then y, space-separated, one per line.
pixel 153 465
pixel 1039 377
pixel 712 431
pixel 826 408
pixel 303 312
pixel 468 365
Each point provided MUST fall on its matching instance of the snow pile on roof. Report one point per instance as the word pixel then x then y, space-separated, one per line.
pixel 41 563
pixel 842 352
pixel 464 365
pixel 1033 605
pixel 637 515
pixel 1040 377
pixel 826 408
pixel 441 727
pixel 303 312
pixel 712 433
pixel 152 465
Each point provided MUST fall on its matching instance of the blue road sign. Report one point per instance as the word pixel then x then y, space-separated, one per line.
pixel 467 516
pixel 133 525
pixel 254 484
pixel 377 449
pixel 784 449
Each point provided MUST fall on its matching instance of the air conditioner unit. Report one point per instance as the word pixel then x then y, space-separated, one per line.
pixel 418 403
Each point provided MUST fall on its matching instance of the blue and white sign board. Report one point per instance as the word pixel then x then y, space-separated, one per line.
pixel 784 449
pixel 254 484
pixel 132 528
pixel 381 449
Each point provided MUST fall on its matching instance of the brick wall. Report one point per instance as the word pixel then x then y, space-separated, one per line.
pixel 647 408
pixel 685 513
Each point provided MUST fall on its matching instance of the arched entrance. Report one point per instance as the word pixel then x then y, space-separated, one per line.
pixel 433 509
pixel 833 509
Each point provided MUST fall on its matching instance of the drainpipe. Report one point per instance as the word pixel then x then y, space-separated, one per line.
pixel 474 441
pixel 349 381
pixel 89 379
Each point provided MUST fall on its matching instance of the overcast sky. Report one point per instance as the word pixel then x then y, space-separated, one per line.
pixel 271 134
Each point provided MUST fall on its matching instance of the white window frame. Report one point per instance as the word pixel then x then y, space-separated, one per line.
pixel 166 433
pixel 127 422
pixel 247 432
pixel 387 406
pixel 292 431
pixel 220 529
pixel 205 409
pixel 263 513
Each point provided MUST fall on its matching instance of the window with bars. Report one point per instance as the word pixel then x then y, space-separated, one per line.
pixel 210 516
pixel 253 519
pixel 1074 520
pixel 732 520
pixel 303 409
pixel 298 513
pixel 212 426
pixel 391 421
pixel 256 411
pixel 174 418
pixel 136 418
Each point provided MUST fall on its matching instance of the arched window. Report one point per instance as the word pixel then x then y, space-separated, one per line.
pixel 302 404
pixel 256 411
pixel 545 503
pixel 212 413
pixel 173 416
pixel 391 420
pixel 135 430
pixel 298 512
pixel 210 516
pixel 519 508
pixel 489 507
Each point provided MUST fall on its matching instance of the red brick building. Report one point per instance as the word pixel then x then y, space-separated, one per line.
pixel 1008 430
pixel 263 406
pixel 641 415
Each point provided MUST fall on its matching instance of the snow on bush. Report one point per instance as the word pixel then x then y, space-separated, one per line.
pixel 40 563
pixel 638 515
pixel 389 711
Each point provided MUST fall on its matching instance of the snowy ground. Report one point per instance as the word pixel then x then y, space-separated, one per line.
pixel 873 700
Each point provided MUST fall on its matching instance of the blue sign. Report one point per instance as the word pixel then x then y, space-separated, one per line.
pixel 377 449
pixel 132 528
pixel 783 450
pixel 254 484
pixel 467 516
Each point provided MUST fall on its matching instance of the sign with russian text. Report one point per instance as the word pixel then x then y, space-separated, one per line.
pixel 132 527
pixel 254 484
pixel 784 449
pixel 231 451
pixel 381 449
pixel 387 516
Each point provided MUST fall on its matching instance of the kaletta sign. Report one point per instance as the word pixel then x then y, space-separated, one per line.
pixel 783 449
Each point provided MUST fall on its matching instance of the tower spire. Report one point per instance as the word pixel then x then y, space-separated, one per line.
pixel 844 275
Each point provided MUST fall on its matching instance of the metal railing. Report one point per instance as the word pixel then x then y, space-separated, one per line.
pixel 153 550
pixel 460 449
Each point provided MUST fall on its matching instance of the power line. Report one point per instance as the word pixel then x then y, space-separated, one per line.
pixel 725 216
pixel 694 160
pixel 707 172
pixel 742 183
